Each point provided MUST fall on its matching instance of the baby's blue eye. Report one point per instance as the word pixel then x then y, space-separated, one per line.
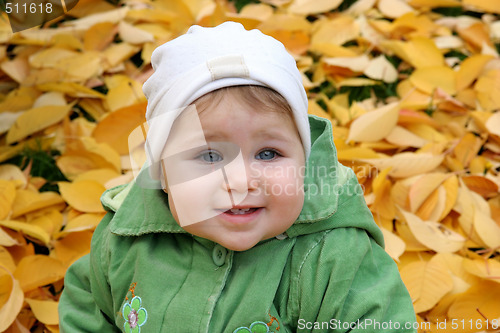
pixel 267 155
pixel 210 157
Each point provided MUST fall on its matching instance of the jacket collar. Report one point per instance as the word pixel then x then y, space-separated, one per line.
pixel 140 210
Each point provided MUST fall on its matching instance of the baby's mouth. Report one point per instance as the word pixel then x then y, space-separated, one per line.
pixel 241 211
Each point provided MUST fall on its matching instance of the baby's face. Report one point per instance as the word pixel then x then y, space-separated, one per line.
pixel 234 174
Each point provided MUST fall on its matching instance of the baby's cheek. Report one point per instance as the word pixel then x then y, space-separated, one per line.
pixel 285 187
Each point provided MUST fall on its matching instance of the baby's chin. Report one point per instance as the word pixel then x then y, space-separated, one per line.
pixel 238 246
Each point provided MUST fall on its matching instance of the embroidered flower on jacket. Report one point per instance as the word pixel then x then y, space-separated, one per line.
pixel 256 327
pixel 134 314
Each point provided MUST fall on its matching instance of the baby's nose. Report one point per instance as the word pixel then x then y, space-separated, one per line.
pixel 238 177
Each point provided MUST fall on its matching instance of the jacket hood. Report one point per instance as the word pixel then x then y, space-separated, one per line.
pixel 329 187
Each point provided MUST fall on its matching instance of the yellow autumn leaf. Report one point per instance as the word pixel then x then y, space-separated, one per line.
pixel 295 41
pixel 158 14
pixel 428 133
pixel 51 221
pixel 19 99
pixel 413 25
pixel 355 64
pixel 123 92
pixel 466 207
pixel 7 195
pixel 45 311
pixel 427 283
pixel 35 120
pixel 394 8
pixel 330 44
pixel 356 82
pixel 406 164
pixel 14 295
pixel 486 87
pixel 412 244
pixel 67 40
pixel 483 186
pixel 434 235
pixel 434 3
pixel 33 231
pixel 115 128
pixel 315 109
pixel 307 7
pixel 480 300
pixel 428 79
pixel 493 124
pixel 7 119
pixel 487 229
pixel 28 201
pixel 470 69
pixel 117 53
pixel 133 35
pixel 74 165
pixel 112 16
pixel 50 57
pixel 285 22
pixel 448 42
pixel 99 36
pixel 102 176
pixel 455 264
pixel 423 187
pixel 380 68
pixel 490 6
pixel 356 153
pixel 477 37
pixel 6 260
pixel 41 143
pixel 374 125
pixel 419 51
pixel 394 245
pixel 402 137
pixel 53 328
pixel 72 247
pixel 432 206
pixel 49 99
pixel 72 89
pixel 82 222
pixel 6 239
pixel 383 204
pixel 17 69
pixel 407 116
pixel 411 97
pixel 83 195
pixel 486 269
pixel 38 270
pixel 450 185
pixel 81 67
pixel 99 155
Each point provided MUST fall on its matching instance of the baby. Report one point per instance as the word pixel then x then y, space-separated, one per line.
pixel 242 219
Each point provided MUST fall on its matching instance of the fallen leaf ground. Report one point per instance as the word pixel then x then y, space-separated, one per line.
pixel 412 89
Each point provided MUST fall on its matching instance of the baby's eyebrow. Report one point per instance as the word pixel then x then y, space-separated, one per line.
pixel 263 133
pixel 273 135
pixel 215 137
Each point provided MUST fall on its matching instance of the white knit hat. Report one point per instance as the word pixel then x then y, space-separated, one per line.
pixel 206 59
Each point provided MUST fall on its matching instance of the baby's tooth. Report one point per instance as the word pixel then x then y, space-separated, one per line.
pixel 239 211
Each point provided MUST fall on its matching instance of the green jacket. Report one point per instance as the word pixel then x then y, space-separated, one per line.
pixel 329 274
